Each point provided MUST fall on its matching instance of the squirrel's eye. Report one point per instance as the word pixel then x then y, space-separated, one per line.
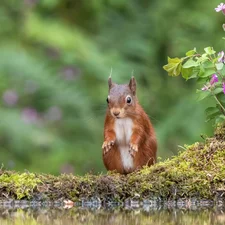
pixel 107 100
pixel 128 100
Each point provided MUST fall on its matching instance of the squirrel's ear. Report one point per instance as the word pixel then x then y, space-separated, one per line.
pixel 110 82
pixel 132 85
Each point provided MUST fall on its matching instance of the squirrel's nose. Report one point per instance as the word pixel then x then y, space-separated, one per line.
pixel 116 113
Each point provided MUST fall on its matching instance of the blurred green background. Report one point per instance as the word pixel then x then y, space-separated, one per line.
pixel 56 56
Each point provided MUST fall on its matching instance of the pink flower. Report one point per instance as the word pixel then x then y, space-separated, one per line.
pixel 30 115
pixel 31 2
pixel 224 87
pixel 220 7
pixel 214 79
pixel 10 97
pixel 223 26
pixel 205 88
pixel 221 57
pixel 70 72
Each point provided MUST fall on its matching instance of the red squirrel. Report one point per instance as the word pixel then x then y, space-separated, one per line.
pixel 129 137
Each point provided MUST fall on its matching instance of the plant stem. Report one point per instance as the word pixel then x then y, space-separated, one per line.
pixel 222 108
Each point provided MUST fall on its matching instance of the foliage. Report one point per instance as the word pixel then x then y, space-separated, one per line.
pixel 21 185
pixel 208 68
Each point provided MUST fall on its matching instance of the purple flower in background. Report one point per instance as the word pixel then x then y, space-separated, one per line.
pixel 70 72
pixel 30 115
pixel 67 168
pixel 224 87
pixel 31 3
pixel 214 79
pixel 10 97
pixel 221 58
pixel 54 113
pixel 11 164
pixel 220 7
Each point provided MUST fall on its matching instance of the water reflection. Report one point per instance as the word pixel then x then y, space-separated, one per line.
pixel 113 216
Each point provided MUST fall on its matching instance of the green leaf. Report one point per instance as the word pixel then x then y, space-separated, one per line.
pixel 211 110
pixel 203 58
pixel 191 52
pixel 190 63
pixel 203 94
pixel 173 67
pixel 209 50
pixel 219 66
pixel 195 72
pixel 208 64
pixel 201 71
pixel 211 113
pixel 215 60
pixel 206 72
pixel 221 97
pixel 223 71
pixel 220 119
pixel 206 69
pixel 188 73
pixel 217 90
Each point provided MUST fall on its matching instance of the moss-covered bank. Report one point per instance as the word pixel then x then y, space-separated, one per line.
pixel 199 171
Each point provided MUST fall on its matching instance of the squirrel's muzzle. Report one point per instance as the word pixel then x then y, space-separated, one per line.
pixel 115 112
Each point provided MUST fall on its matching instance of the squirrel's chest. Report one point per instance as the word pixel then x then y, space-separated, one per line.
pixel 123 129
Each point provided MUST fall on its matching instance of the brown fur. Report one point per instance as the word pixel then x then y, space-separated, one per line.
pixel 143 135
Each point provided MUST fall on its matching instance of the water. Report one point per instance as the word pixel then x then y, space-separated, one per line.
pixel 111 216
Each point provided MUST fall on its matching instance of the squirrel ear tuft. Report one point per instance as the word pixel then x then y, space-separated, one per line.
pixel 132 85
pixel 110 82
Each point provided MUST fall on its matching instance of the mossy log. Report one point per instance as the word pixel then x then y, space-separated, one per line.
pixel 197 172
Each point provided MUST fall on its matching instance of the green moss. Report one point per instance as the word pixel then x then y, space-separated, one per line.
pixel 18 185
pixel 199 171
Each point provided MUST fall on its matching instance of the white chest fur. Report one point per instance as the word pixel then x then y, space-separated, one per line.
pixel 123 130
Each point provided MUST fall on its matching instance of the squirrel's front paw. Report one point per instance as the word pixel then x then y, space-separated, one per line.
pixel 133 149
pixel 106 146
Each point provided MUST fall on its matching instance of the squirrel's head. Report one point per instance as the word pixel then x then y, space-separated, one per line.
pixel 122 98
